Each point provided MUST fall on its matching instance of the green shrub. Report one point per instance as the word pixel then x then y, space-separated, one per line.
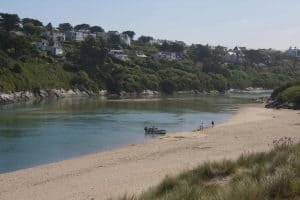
pixel 291 94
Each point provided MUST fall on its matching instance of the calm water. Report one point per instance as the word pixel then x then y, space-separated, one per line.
pixel 37 133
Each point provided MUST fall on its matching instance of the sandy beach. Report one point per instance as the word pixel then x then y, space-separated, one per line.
pixel 136 167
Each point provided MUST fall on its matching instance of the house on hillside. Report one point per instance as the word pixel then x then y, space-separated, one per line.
pixel 235 55
pixel 42 45
pixel 79 36
pixel 240 49
pixel 74 36
pixel 55 36
pixel 138 54
pixel 125 39
pixel 55 49
pixel 18 33
pixel 292 52
pixel 163 55
pixel 231 57
pixel 118 54
pixel 156 42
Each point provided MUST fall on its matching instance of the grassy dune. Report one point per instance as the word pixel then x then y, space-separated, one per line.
pixel 266 175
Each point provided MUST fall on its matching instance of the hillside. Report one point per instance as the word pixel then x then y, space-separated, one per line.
pixel 34 56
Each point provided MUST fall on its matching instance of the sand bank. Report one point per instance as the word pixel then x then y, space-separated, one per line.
pixel 136 167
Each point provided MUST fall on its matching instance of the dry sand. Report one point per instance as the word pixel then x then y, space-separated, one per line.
pixel 136 167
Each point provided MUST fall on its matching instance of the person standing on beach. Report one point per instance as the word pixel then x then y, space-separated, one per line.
pixel 212 124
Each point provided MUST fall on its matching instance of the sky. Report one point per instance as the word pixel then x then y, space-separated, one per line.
pixel 251 23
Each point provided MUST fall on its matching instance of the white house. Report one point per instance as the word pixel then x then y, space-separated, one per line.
pixel 74 35
pixel 125 39
pixel 292 52
pixel 79 36
pixel 42 45
pixel 135 53
pixel 54 49
pixel 170 56
pixel 236 55
pixel 231 57
pixel 118 54
pixel 56 36
pixel 156 41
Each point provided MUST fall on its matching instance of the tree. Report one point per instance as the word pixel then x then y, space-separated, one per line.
pixel 49 27
pixel 114 40
pixel 82 27
pixel 16 46
pixel 91 53
pixel 131 34
pixel 65 27
pixel 35 22
pixel 200 52
pixel 172 47
pixel 254 56
pixel 95 29
pixel 145 39
pixel 9 22
pixel 219 52
pixel 212 66
pixel 167 87
pixel 32 29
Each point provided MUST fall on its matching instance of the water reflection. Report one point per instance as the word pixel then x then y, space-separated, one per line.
pixel 41 132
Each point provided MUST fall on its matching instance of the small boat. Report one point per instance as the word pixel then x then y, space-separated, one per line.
pixel 154 130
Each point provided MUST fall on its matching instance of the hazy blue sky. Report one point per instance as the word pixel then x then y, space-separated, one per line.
pixel 251 23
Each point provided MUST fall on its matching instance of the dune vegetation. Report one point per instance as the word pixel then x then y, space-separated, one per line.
pixel 266 175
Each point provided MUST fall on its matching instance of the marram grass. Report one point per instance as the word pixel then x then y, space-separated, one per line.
pixel 261 176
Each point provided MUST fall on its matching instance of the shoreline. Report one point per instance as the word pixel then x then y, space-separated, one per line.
pixel 43 94
pixel 135 167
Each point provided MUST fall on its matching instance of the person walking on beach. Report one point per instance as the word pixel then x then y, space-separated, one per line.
pixel 212 124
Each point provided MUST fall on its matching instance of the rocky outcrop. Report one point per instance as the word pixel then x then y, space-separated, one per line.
pixel 150 93
pixel 285 105
pixel 39 94
pixel 15 97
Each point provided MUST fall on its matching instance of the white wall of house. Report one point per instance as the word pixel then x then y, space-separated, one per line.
pixel 118 54
pixel 293 52
pixel 55 49
pixel 125 39
pixel 42 45
pixel 170 56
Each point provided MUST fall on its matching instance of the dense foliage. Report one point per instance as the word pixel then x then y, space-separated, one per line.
pixel 289 92
pixel 87 64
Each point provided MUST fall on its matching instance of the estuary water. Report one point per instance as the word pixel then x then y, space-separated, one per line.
pixel 37 133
